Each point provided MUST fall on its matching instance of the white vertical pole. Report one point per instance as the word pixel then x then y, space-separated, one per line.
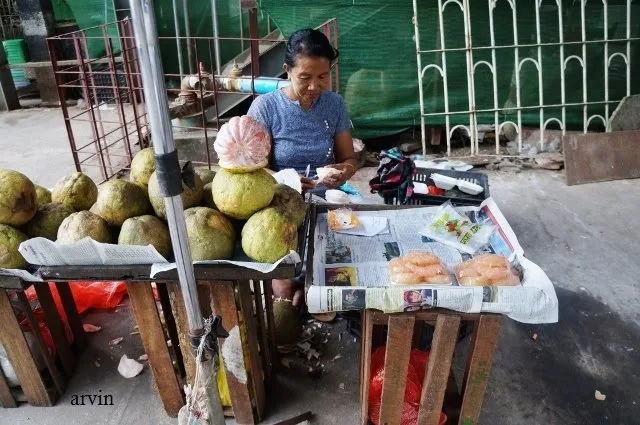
pixel 628 47
pixel 216 41
pixel 583 4
pixel 416 30
pixel 540 77
pixel 447 118
pixel 241 17
pixel 187 33
pixel 492 6
pixel 470 77
pixel 562 65
pixel 176 25
pixel 516 55
pixel 155 94
pixel 606 62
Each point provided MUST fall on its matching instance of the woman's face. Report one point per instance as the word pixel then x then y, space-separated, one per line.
pixel 309 77
pixel 415 297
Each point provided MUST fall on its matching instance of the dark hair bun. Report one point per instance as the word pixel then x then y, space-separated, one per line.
pixel 309 42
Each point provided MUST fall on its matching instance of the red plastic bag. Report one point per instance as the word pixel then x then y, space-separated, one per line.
pixel 418 361
pixel 104 295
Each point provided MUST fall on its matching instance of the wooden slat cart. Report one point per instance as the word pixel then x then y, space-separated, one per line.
pixel 40 388
pixel 241 296
pixel 439 390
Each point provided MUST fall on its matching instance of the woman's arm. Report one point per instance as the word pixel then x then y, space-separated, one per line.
pixel 346 160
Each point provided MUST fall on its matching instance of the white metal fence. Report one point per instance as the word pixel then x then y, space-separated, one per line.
pixel 614 49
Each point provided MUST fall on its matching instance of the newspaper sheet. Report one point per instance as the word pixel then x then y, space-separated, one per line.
pixel 350 272
pixel 86 252
pixel 22 274
pixel 291 258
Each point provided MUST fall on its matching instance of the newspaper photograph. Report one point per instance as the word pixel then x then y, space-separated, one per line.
pixel 352 272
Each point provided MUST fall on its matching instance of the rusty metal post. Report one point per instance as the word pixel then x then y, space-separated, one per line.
pixel 53 54
pixel 85 87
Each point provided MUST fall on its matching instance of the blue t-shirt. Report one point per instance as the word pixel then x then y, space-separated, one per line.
pixel 301 138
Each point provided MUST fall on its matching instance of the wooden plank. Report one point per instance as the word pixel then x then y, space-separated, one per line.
pixel 20 356
pixel 56 376
pixel 170 322
pixel 225 305
pixel 263 331
pixel 255 364
pixel 155 346
pixel 6 398
pixel 396 364
pixel 65 354
pixel 481 350
pixel 437 376
pixel 271 326
pixel 70 310
pixel 203 272
pixel 12 282
pixel 182 325
pixel 596 157
pixel 365 365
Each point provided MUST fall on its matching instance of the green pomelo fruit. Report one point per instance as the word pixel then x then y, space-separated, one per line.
pixel 119 200
pixel 142 166
pixel 83 224
pixel 241 195
pixel 269 235
pixel 291 203
pixel 43 195
pixel 18 198
pixel 47 220
pixel 190 198
pixel 211 234
pixel 287 322
pixel 10 240
pixel 206 175
pixel 146 230
pixel 76 190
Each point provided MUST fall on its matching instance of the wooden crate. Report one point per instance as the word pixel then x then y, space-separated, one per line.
pixel 245 303
pixel 46 387
pixel 439 388
pixel 247 314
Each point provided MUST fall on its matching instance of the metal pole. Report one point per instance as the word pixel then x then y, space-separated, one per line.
pixel 216 41
pixel 187 33
pixel 176 24
pixel 155 94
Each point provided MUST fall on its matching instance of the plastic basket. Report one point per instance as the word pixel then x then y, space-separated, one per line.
pixel 454 195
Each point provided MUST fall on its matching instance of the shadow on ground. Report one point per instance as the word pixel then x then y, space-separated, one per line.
pixel 552 380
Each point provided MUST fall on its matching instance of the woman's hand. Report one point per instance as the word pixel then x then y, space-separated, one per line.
pixel 307 184
pixel 336 180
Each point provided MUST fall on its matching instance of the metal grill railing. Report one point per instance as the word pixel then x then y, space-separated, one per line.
pixel 111 126
pixel 547 111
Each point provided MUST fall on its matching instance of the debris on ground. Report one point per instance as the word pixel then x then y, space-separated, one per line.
pixel 129 368
pixel 550 161
pixel 116 341
pixel 534 337
pixel 89 328
pixel 143 358
pixel 599 396
pixel 307 353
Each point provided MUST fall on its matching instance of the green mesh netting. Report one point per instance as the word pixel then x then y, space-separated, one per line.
pixel 88 14
pixel 378 74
